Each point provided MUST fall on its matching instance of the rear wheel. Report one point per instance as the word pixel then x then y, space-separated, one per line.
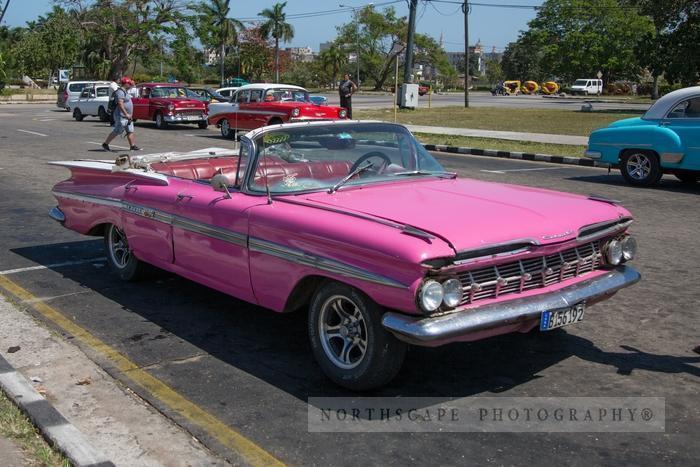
pixel 689 178
pixel 119 255
pixel 348 340
pixel 641 168
pixel 226 130
pixel 161 124
pixel 102 114
pixel 78 115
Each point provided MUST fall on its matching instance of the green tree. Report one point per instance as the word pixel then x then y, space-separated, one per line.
pixel 332 60
pixel 214 27
pixel 494 71
pixel 276 26
pixel 577 38
pixel 255 55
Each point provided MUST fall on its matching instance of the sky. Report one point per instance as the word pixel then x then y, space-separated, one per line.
pixel 492 26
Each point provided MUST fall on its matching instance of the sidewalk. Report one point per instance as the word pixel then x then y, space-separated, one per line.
pixel 111 418
pixel 509 135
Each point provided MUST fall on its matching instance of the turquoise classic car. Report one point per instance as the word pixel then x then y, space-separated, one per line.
pixel 666 139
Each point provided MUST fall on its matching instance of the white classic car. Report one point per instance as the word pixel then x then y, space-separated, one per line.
pixel 92 101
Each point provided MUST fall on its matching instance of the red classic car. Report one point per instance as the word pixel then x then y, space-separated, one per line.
pixel 358 224
pixel 256 105
pixel 166 103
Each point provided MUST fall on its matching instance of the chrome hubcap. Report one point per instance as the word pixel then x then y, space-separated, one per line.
pixel 118 247
pixel 638 166
pixel 343 332
pixel 225 128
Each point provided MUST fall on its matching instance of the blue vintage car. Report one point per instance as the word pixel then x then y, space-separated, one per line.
pixel 666 139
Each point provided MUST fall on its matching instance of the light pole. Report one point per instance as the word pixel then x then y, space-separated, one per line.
pixel 355 10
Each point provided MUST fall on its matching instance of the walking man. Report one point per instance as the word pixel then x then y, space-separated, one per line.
pixel 346 89
pixel 123 118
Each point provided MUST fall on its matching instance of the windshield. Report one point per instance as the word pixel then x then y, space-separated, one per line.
pixel 285 94
pixel 580 82
pixel 320 157
pixel 169 92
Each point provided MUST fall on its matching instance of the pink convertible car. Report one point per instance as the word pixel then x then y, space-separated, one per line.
pixel 357 223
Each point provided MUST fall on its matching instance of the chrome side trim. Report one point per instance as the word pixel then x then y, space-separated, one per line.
pixel 319 262
pixel 438 330
pixel 113 202
pixel 626 145
pixel 210 231
pixel 57 215
pixel 602 229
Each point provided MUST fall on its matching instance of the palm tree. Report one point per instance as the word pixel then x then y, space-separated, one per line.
pixel 223 29
pixel 275 26
pixel 334 58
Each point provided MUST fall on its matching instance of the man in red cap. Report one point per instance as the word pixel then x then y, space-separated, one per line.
pixel 123 115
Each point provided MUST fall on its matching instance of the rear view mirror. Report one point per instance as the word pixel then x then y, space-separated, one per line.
pixel 220 182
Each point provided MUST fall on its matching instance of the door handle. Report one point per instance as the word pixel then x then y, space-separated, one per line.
pixel 181 196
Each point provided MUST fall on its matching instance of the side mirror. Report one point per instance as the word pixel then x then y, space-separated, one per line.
pixel 220 182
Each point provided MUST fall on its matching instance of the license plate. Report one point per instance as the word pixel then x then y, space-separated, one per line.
pixel 194 117
pixel 557 318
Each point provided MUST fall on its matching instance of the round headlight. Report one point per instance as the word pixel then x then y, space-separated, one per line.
pixel 431 295
pixel 171 107
pixel 295 112
pixel 452 290
pixel 613 252
pixel 343 113
pixel 629 248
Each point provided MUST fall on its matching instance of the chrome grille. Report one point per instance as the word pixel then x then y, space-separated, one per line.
pixel 531 273
pixel 196 112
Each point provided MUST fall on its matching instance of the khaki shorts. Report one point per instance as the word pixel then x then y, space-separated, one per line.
pixel 121 125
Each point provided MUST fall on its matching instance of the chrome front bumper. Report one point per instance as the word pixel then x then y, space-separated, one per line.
pixel 433 331
pixel 56 214
pixel 175 118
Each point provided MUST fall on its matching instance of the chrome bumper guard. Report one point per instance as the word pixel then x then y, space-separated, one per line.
pixel 438 330
pixel 184 119
pixel 57 215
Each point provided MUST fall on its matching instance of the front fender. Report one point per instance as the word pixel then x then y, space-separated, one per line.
pixel 611 142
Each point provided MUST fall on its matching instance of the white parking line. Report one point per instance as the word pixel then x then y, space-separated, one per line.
pixel 47 119
pixel 51 266
pixel 32 132
pixel 111 145
pixel 521 170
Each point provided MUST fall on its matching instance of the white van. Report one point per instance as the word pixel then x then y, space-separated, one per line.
pixel 587 86
pixel 72 90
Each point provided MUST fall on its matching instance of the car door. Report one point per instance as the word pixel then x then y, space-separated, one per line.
pixel 238 118
pixel 210 236
pixel 257 114
pixel 141 103
pixel 684 120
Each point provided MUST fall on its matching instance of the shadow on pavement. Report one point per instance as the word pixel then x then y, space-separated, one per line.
pixel 274 347
pixel 668 183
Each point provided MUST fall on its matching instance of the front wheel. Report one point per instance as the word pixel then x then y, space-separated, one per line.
pixel 202 125
pixel 119 255
pixel 641 168
pixel 161 124
pixel 102 114
pixel 78 115
pixel 226 130
pixel 348 340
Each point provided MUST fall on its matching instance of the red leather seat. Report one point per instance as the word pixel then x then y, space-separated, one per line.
pixel 275 168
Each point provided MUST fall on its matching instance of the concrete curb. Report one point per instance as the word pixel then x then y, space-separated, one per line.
pixel 525 156
pixel 55 428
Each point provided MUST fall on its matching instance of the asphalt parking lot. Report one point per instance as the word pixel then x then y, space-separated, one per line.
pixel 254 371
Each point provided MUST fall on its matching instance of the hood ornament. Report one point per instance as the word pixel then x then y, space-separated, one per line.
pixel 559 235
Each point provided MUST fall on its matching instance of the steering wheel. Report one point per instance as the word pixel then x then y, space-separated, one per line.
pixel 370 155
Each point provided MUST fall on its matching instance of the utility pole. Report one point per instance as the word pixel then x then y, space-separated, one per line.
pixel 408 63
pixel 465 9
pixel 2 13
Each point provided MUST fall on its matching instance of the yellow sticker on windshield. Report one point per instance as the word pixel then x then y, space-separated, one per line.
pixel 275 138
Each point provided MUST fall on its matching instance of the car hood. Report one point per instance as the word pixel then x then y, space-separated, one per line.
pixel 472 214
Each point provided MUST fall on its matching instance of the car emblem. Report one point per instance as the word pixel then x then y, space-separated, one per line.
pixel 319 114
pixel 559 235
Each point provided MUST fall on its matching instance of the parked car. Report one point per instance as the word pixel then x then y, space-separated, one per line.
pixel 424 88
pixel 358 224
pixel 206 95
pixel 587 87
pixel 666 139
pixel 228 91
pixel 167 103
pixel 256 105
pixel 93 101
pixel 72 90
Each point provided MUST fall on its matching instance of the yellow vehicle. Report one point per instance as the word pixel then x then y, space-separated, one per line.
pixel 550 87
pixel 512 87
pixel 530 87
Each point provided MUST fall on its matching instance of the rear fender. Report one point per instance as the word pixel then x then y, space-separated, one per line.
pixel 613 142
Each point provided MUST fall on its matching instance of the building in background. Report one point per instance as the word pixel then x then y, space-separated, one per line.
pixel 300 54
